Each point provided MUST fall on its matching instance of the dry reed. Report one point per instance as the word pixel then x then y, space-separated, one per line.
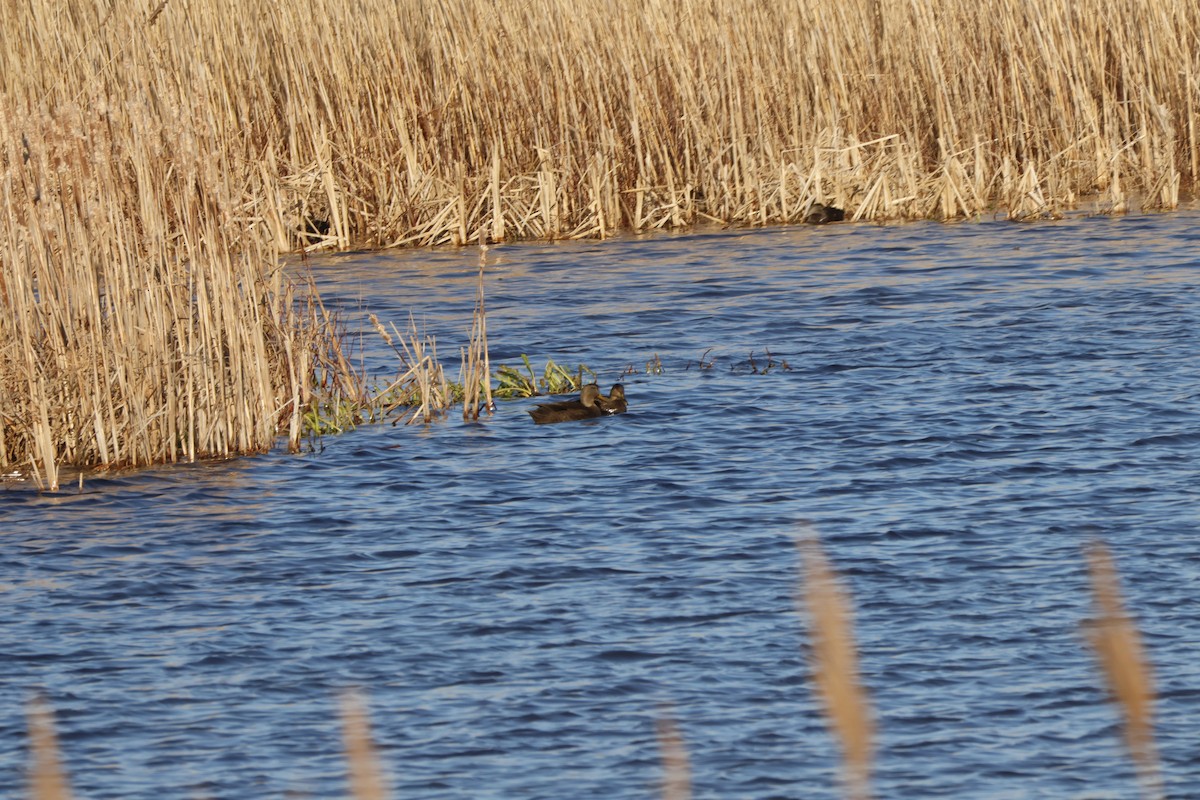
pixel 472 120
pixel 677 775
pixel 154 161
pixel 423 386
pixel 140 320
pixel 834 663
pixel 1119 652
pixel 367 780
pixel 47 780
pixel 476 369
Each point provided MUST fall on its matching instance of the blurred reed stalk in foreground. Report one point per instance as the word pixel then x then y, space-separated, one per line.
pixel 677 775
pixel 47 780
pixel 367 780
pixel 1118 648
pixel 833 659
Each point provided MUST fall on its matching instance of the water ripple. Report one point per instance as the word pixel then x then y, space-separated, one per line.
pixel 962 407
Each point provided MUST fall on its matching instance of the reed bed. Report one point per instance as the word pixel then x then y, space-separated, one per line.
pixel 378 123
pixel 337 122
pixel 139 323
pixel 156 156
pixel 128 339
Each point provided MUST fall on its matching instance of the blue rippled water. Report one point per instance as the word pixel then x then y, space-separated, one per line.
pixel 955 409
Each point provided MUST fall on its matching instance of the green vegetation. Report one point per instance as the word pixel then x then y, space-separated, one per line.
pixel 555 379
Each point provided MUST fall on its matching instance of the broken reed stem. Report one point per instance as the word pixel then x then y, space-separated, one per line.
pixel 486 373
pixel 419 352
pixel 47 780
pixel 834 663
pixel 362 759
pixel 677 774
pixel 475 371
pixel 1118 649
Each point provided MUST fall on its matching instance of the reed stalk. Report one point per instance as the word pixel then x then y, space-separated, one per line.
pixel 476 368
pixel 367 780
pixel 47 779
pixel 833 659
pixel 1119 653
pixel 677 774
pixel 423 385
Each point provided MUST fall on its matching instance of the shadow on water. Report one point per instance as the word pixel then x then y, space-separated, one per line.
pixel 962 407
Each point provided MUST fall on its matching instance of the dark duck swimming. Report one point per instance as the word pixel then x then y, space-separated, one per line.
pixel 589 404
pixel 819 214
pixel 615 402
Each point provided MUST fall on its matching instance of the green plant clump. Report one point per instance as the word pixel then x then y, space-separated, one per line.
pixel 512 382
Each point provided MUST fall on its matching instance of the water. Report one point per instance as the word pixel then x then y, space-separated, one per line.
pixel 963 407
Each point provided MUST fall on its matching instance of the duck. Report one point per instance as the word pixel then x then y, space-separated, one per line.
pixel 819 214
pixel 585 406
pixel 589 404
pixel 615 402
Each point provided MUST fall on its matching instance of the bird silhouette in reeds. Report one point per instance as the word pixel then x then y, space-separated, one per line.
pixel 819 214
pixel 589 404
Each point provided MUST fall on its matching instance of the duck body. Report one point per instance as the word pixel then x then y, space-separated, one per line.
pixel 588 405
pixel 583 407
pixel 819 214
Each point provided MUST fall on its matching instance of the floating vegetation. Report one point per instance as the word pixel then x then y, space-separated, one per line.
pixel 707 361
pixel 422 387
pixel 555 379
pixel 770 365
pixel 332 416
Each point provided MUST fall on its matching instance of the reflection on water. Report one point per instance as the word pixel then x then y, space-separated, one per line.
pixel 964 406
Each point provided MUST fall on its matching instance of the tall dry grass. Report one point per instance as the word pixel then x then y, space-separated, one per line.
pixel 1119 653
pixel 476 371
pixel 141 318
pixel 47 778
pixel 367 780
pixel 833 658
pixel 418 123
pixel 155 156
pixel 677 773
